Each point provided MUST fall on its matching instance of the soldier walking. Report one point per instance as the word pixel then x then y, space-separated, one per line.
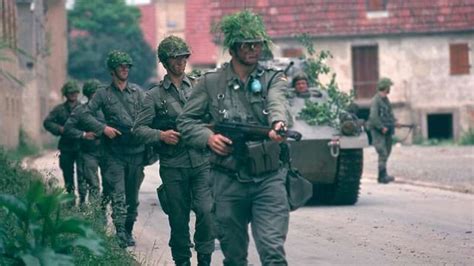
pixel 68 147
pixel 382 124
pixel 243 91
pixel 183 170
pixel 91 153
pixel 123 158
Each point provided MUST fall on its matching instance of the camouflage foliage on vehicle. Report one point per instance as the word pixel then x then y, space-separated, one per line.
pixel 329 112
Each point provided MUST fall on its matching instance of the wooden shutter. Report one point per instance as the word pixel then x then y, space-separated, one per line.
pixel 375 5
pixel 459 58
pixel 292 52
pixel 365 71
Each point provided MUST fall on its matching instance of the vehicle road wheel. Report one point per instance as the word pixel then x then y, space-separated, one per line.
pixel 345 190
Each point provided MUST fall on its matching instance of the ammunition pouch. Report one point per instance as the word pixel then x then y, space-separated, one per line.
pixel 258 158
pixel 263 157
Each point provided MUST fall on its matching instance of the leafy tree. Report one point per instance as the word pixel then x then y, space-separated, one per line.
pixel 101 26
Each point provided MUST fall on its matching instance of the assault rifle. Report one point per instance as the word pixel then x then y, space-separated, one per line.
pixel 410 126
pixel 246 132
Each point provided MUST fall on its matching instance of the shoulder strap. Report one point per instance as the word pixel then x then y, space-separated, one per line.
pixel 130 113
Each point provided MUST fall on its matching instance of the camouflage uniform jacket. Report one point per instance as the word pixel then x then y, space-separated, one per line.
pixel 120 109
pixel 381 114
pixel 75 127
pixel 162 105
pixel 257 109
pixel 55 120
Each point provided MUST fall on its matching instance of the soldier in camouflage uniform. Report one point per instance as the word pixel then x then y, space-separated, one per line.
pixel 91 147
pixel 243 91
pixel 184 170
pixel 68 147
pixel 120 103
pixel 382 123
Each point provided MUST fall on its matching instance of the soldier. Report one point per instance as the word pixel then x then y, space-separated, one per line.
pixel 123 158
pixel 183 170
pixel 301 86
pixel 381 124
pixel 91 147
pixel 243 91
pixel 68 147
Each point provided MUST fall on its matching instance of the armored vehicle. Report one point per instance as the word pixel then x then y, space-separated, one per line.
pixel 330 157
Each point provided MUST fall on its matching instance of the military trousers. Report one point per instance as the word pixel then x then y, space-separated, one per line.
pixel 89 163
pixel 263 204
pixel 188 189
pixel 67 159
pixel 383 146
pixel 123 176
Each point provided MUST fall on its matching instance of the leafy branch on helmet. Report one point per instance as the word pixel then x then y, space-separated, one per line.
pixel 244 26
pixel 338 102
pixel 172 46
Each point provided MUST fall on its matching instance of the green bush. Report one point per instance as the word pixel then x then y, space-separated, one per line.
pixel 36 224
pixel 467 138
pixel 25 148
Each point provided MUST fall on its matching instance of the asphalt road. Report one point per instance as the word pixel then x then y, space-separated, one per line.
pixel 397 224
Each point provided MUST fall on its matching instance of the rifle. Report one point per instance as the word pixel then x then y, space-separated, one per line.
pixel 247 132
pixel 410 126
pixel 288 68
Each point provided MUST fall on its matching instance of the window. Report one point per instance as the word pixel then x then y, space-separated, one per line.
pixel 459 58
pixel 292 52
pixel 8 22
pixel 440 126
pixel 365 70
pixel 376 5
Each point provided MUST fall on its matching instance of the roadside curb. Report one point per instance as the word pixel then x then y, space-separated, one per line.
pixel 406 181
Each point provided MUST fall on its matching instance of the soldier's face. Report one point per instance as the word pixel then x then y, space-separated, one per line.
pixel 121 72
pixel 249 53
pixel 72 97
pixel 177 65
pixel 301 85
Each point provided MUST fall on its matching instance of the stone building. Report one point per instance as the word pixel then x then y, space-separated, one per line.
pixel 425 47
pixel 10 84
pixel 36 33
pixel 159 19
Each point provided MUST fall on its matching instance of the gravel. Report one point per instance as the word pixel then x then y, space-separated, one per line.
pixel 447 167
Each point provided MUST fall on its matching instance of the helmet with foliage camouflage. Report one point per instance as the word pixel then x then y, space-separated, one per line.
pixel 116 58
pixel 70 87
pixel 299 76
pixel 384 83
pixel 90 87
pixel 241 27
pixel 172 46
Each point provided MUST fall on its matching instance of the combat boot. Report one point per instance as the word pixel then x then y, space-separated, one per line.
pixel 383 178
pixel 129 235
pixel 122 239
pixel 185 262
pixel 204 259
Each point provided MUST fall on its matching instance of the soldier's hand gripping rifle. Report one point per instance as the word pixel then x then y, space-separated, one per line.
pixel 246 132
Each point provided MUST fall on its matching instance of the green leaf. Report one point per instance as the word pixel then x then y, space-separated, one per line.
pixel 95 246
pixel 14 205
